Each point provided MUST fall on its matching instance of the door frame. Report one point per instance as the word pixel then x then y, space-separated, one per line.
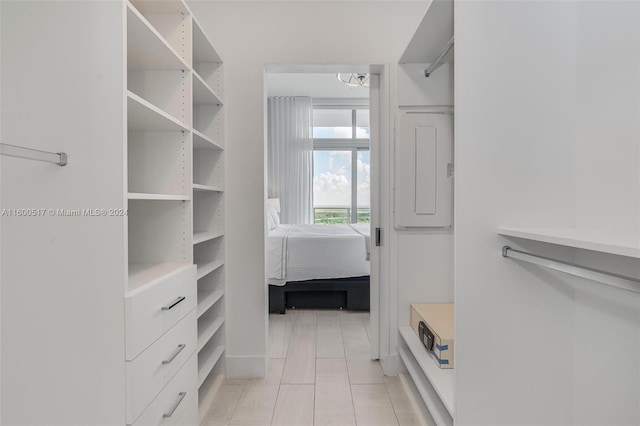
pixel 379 143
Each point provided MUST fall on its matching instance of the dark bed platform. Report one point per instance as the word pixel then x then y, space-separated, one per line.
pixel 341 293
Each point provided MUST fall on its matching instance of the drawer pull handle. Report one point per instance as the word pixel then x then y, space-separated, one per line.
pixel 174 303
pixel 181 396
pixel 175 354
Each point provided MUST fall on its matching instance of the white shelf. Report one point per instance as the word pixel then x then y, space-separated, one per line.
pixel 164 7
pixel 209 267
pixel 203 50
pixel 208 298
pixel 201 237
pixel 143 274
pixel 143 115
pixel 206 188
pixel 604 242
pixel 435 30
pixel 205 334
pixel 442 380
pixel 160 197
pixel 207 359
pixel 146 48
pixel 202 141
pixel 202 93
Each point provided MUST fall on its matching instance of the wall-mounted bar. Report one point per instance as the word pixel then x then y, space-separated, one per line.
pixel 436 64
pixel 59 158
pixel 604 277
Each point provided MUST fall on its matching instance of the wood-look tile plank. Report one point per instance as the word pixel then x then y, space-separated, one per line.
pixel 364 371
pixel 302 316
pixel 294 406
pixel 300 364
pixel 223 406
pixel 332 371
pixel 357 350
pixel 273 376
pixel 328 316
pixel 334 405
pixel 330 343
pixel 256 405
pixel 352 317
pixel 367 327
pixel 404 408
pixel 354 332
pixel 373 406
pixel 280 330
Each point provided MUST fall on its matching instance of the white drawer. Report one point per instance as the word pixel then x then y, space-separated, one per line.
pixel 190 413
pixel 153 368
pixel 153 311
pixel 173 401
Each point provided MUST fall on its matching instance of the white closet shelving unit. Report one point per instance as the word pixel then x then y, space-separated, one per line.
pixel 135 329
pixel 175 202
pixel 208 210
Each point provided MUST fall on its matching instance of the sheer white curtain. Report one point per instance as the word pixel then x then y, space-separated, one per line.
pixel 290 157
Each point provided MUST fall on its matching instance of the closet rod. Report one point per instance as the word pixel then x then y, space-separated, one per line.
pixel 604 277
pixel 59 158
pixel 434 66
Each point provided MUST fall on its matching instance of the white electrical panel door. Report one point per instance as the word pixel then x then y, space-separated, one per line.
pixel 423 170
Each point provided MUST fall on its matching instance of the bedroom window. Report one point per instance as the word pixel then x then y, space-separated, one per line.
pixel 341 164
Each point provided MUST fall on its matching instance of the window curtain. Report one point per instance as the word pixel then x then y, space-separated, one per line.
pixel 290 157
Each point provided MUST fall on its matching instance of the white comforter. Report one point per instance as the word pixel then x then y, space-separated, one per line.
pixel 309 252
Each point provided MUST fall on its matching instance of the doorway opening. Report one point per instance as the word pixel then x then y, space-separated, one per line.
pixel 322 179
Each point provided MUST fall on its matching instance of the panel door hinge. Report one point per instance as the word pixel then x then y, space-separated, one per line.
pixel 378 237
pixel 450 169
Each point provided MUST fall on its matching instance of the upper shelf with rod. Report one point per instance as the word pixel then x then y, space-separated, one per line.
pixel 433 36
pixel 59 158
pixel 600 241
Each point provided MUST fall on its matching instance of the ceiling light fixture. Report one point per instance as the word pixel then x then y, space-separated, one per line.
pixel 354 79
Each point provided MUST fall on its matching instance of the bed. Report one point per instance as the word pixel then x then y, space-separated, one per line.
pixel 318 266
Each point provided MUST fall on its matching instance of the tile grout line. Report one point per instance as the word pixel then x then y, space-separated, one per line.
pixel 353 404
pixel 233 413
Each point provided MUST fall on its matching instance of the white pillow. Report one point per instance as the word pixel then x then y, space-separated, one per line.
pixel 270 223
pixel 273 219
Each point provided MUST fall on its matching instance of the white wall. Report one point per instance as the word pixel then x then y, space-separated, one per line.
pixel 250 35
pixel 423 258
pixel 547 136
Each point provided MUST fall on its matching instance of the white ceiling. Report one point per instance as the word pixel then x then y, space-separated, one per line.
pixel 313 85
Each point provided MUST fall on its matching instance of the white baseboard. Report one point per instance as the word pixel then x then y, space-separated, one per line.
pixel 391 365
pixel 246 367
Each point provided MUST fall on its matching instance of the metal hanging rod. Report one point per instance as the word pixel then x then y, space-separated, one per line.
pixel 434 66
pixel 604 277
pixel 59 158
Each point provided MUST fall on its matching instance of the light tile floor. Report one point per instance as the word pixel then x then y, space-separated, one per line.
pixel 319 374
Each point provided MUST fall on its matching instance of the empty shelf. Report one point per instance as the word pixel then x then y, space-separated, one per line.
pixel 198 187
pixel 143 115
pixel 203 50
pixel 208 298
pixel 442 380
pixel 202 93
pixel 160 197
pixel 207 359
pixel 201 237
pixel 202 141
pixel 600 241
pixel 146 48
pixel 209 267
pixel 164 7
pixel 205 334
pixel 142 274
